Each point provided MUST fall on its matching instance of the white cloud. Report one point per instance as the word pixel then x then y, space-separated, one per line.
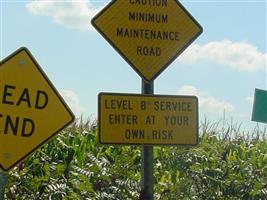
pixel 72 14
pixel 238 55
pixel 73 101
pixel 249 99
pixel 207 103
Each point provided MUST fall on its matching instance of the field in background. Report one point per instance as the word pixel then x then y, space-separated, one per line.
pixel 227 164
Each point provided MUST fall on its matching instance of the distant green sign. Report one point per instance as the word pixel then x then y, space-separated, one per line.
pixel 259 113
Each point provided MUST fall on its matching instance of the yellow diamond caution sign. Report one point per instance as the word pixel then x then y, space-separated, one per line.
pixel 148 34
pixel 31 109
pixel 148 119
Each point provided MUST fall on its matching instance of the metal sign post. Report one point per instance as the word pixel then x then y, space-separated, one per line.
pixel 147 181
pixel 3 182
pixel 149 36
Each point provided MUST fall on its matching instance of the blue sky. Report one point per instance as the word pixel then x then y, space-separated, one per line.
pixel 222 67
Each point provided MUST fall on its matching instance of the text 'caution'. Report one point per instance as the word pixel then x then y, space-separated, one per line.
pixel 148 34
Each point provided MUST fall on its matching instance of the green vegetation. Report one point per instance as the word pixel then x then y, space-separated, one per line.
pixel 227 164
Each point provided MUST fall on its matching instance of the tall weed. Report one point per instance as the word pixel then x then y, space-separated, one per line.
pixel 227 164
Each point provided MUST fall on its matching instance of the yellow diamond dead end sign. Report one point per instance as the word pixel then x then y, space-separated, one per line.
pixel 31 109
pixel 148 34
pixel 148 119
